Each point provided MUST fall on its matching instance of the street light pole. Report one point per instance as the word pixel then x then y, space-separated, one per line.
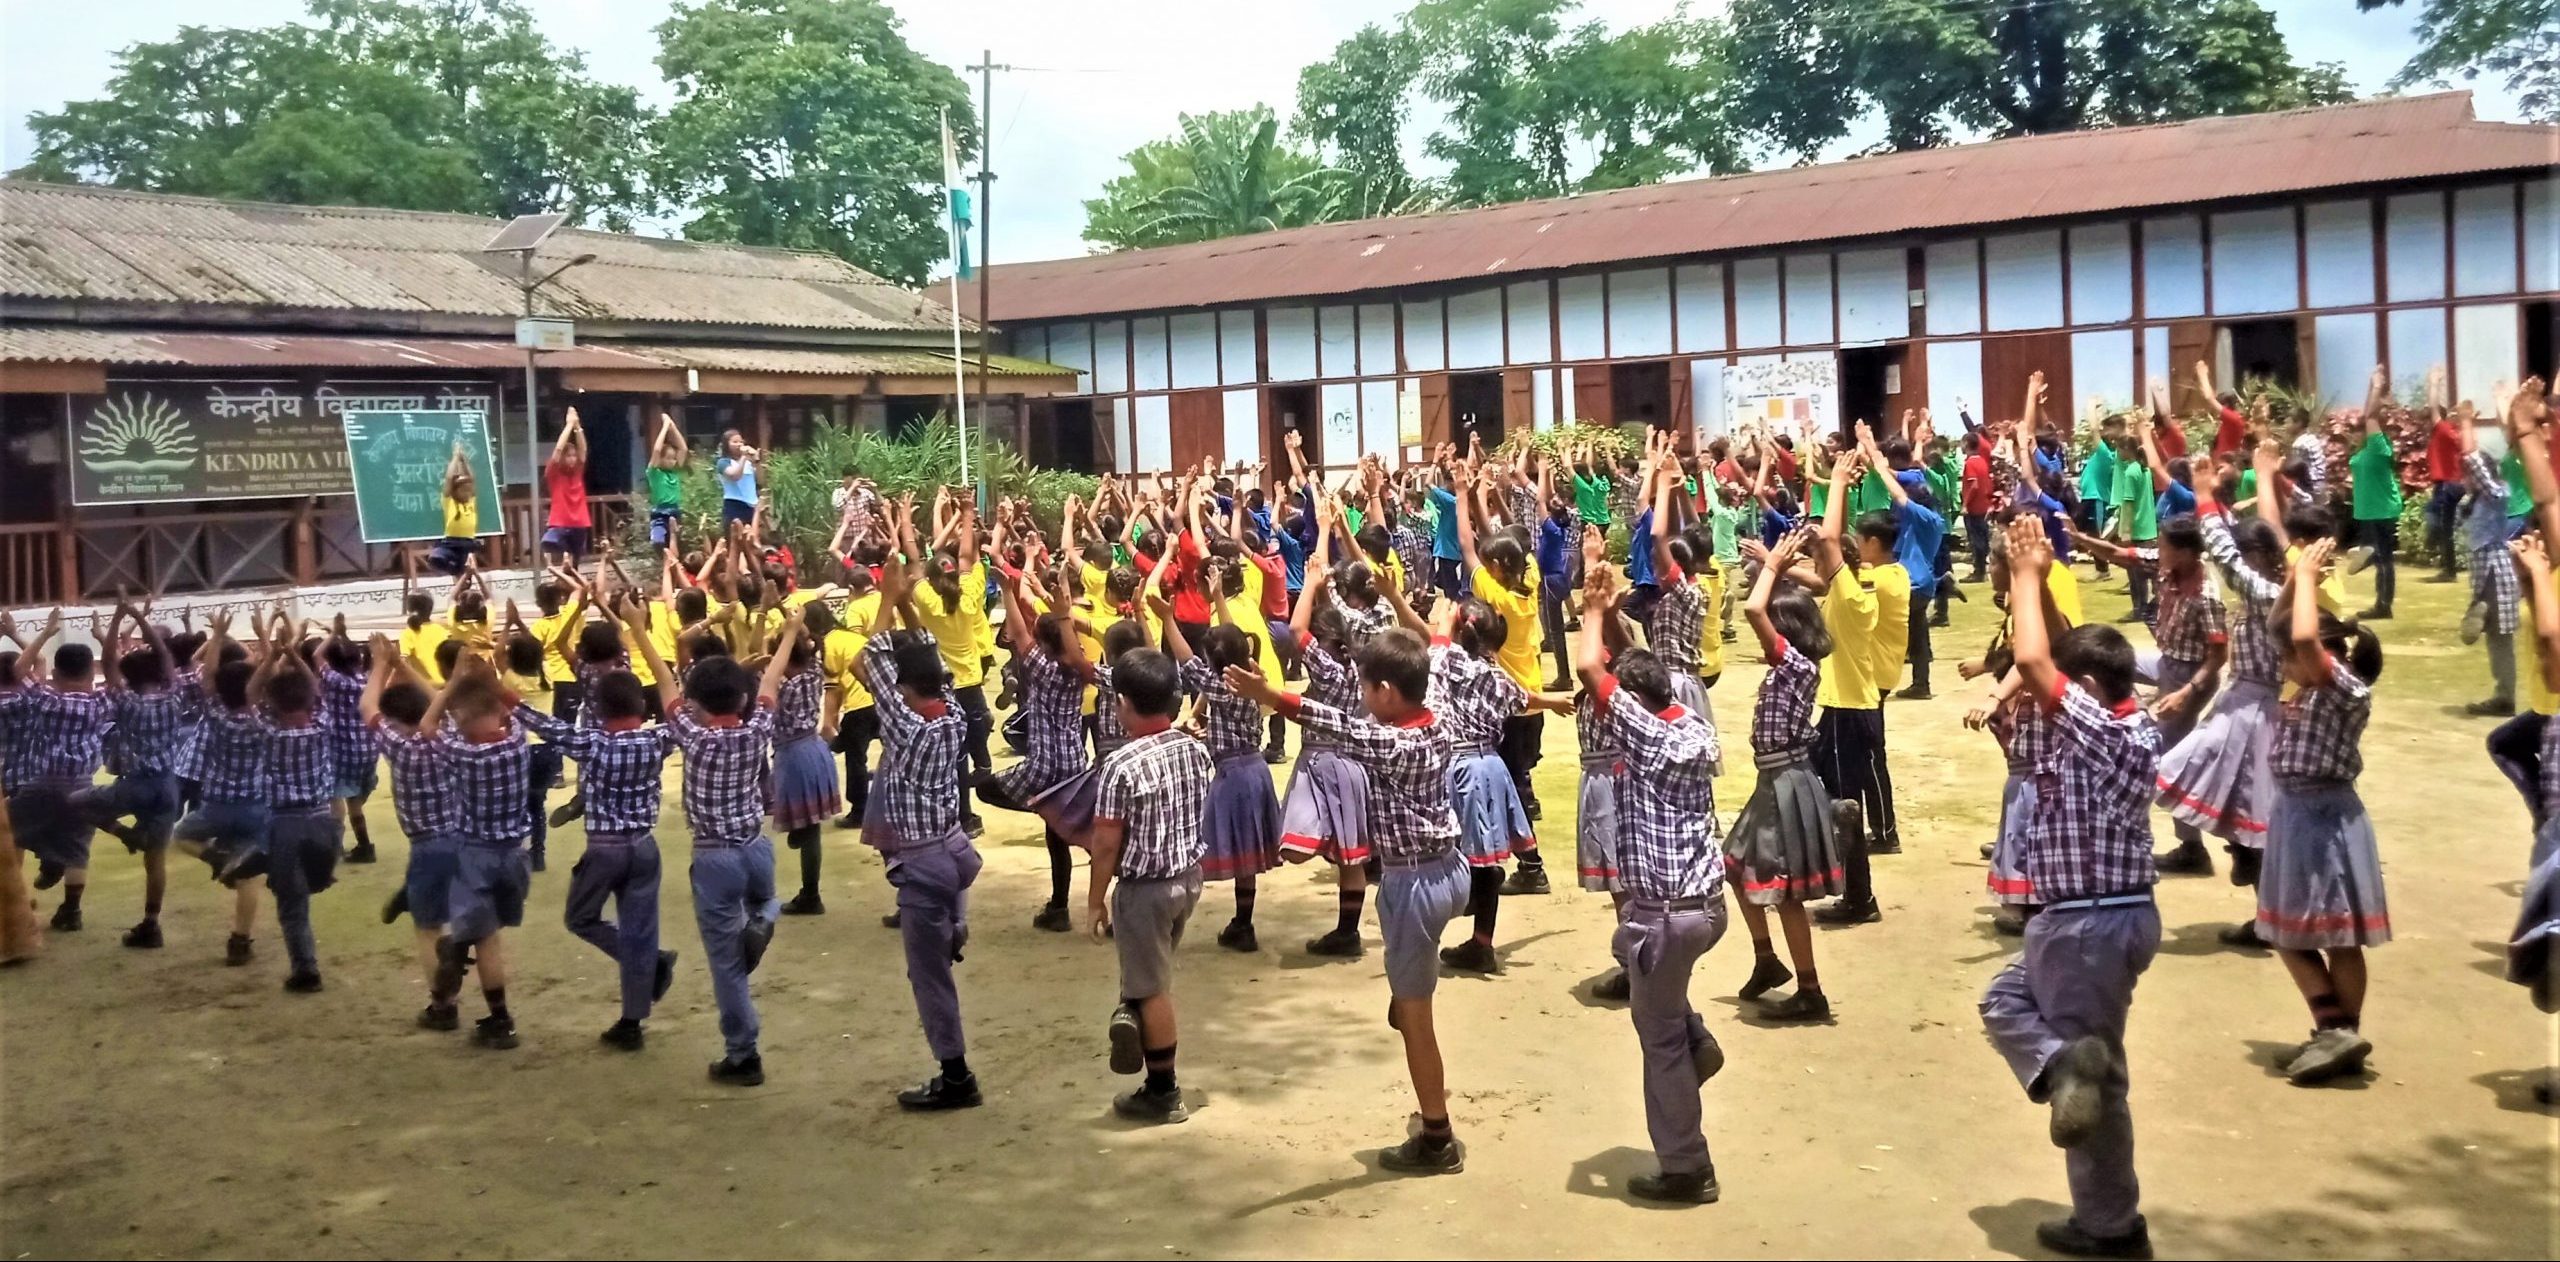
pixel 532 428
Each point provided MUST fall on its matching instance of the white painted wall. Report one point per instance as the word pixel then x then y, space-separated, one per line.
pixel 1475 328
pixel 2417 344
pixel 2102 273
pixel 1237 364
pixel 1378 419
pixel 2346 348
pixel 1423 351
pixel 1124 451
pixel 1029 342
pixel 1337 346
pixel 2413 248
pixel 2541 236
pixel 1875 296
pixel 1244 424
pixel 2155 358
pixel 1110 356
pixel 1378 340
pixel 1582 330
pixel 1808 299
pixel 2024 273
pixel 2172 267
pixel 2484 241
pixel 1564 391
pixel 1341 423
pixel 2337 247
pixel 1698 293
pixel 1194 336
pixel 1952 271
pixel 1542 398
pixel 1532 330
pixel 2485 351
pixel 1155 431
pixel 1640 313
pixel 1755 304
pixel 1706 398
pixel 1289 340
pixel 1955 374
pixel 1147 354
pixel 2256 262
pixel 2102 365
pixel 1071 346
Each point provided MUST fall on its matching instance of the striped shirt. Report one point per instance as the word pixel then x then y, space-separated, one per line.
pixel 1666 798
pixel 2091 831
pixel 725 765
pixel 2320 733
pixel 422 792
pixel 492 786
pixel 1233 724
pixel 918 783
pixel 620 770
pixel 1156 787
pixel 1782 716
pixel 1472 698
pixel 1410 818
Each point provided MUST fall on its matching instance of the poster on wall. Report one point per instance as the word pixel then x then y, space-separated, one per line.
pixel 172 442
pixel 399 461
pixel 1783 396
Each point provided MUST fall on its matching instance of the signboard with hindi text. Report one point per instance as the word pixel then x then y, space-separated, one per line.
pixel 399 459
pixel 152 441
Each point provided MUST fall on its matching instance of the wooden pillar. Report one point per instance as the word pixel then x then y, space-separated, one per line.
pixel 66 543
pixel 764 426
pixel 300 544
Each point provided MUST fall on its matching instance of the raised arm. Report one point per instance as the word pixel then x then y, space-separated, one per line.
pixel 572 440
pixel 2030 642
pixel 1764 589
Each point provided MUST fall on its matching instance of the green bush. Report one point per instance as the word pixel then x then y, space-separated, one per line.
pixel 799 484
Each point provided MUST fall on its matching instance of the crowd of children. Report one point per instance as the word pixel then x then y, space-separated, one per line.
pixel 1157 640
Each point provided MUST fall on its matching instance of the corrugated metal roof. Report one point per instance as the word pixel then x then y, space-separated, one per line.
pixel 55 344
pixel 845 363
pixel 1995 182
pixel 76 242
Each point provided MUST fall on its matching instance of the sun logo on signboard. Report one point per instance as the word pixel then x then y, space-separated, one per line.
pixel 137 434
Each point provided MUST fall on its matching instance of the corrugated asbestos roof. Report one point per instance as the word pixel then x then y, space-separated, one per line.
pixel 110 245
pixel 835 363
pixel 59 344
pixel 1995 182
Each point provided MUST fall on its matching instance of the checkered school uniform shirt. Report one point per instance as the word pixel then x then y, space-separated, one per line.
pixel 1782 715
pixel 492 786
pixel 422 791
pixel 1359 625
pixel 620 772
pixel 1471 697
pixel 2484 532
pixel 151 728
pixel 1157 787
pixel 1679 618
pixel 303 770
pixel 1521 502
pixel 725 766
pixel 1666 799
pixel 2091 833
pixel 1053 698
pixel 1590 728
pixel 1233 724
pixel 591 674
pixel 2320 731
pixel 1410 819
pixel 1413 547
pixel 342 714
pixel 1332 682
pixel 795 707
pixel 1108 735
pixel 2550 768
pixel 14 763
pixel 63 733
pixel 232 756
pixel 918 784
pixel 2190 621
pixel 2253 648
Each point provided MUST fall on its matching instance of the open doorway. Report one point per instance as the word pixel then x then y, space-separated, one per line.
pixel 1293 409
pixel 1869 376
pixel 2270 350
pixel 1475 408
pixel 1640 394
pixel 1061 434
pixel 908 413
pixel 2542 340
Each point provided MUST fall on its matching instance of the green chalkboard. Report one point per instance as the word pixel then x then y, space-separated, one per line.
pixel 398 459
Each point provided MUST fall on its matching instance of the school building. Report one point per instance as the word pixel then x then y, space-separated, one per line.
pixel 2304 246
pixel 174 370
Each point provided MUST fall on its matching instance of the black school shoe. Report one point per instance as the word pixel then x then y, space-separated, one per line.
pixel 1128 1048
pixel 1339 943
pixel 2078 1086
pixel 1526 880
pixel 1613 987
pixel 1677 1189
pixel 666 977
pixel 144 936
pixel 396 906
pixel 48 874
pixel 1843 912
pixel 753 941
pixel 1415 1157
pixel 236 950
pixel 1471 956
pixel 624 1035
pixel 439 1016
pixel 66 918
pixel 2064 1236
pixel 303 984
pixel 739 1071
pixel 1767 974
pixel 1803 1005
pixel 1164 1107
pixel 1239 936
pixel 805 903
pixel 2188 858
pixel 496 1033
pixel 941 1095
pixel 362 853
pixel 1053 918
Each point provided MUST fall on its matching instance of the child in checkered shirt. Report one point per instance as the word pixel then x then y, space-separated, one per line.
pixel 356 764
pixel 1240 823
pixel 228 827
pixel 65 721
pixel 2320 894
pixel 490 763
pixel 1326 810
pixel 1147 849
pixel 151 709
pixel 393 706
pixel 1783 850
pixel 1054 779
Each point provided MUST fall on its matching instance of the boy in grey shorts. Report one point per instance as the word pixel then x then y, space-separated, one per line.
pixel 1423 881
pixel 1146 836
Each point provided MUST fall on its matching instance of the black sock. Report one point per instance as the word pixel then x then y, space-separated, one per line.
pixel 355 822
pixel 956 1070
pixel 1244 901
pixel 1351 902
pixel 1763 949
pixel 1160 1069
pixel 71 896
pixel 1436 1133
pixel 497 997
pixel 812 856
pixel 1488 899
pixel 1062 868
pixel 2328 1014
pixel 151 907
pixel 1530 861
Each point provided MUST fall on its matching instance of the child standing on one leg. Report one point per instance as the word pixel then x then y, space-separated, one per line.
pixel 342 679
pixel 1782 850
pixel 2058 1012
pixel 2320 896
pixel 1326 811
pixel 1473 696
pixel 1053 780
pixel 1240 824
pixel 302 810
pixel 63 723
pixel 1147 848
pixel 804 795
pixel 228 827
pixel 154 706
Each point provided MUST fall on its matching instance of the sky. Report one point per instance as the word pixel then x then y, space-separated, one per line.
pixel 1089 80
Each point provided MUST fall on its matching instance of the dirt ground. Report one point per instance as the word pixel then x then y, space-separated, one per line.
pixel 159 1104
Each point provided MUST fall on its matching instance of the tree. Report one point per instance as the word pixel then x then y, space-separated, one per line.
pixel 1929 69
pixel 809 124
pixel 452 105
pixel 1352 106
pixel 1225 175
pixel 2517 40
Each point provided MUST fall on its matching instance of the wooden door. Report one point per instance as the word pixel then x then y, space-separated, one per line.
pixel 1434 393
pixel 1199 422
pixel 1684 424
pixel 1519 400
pixel 2190 343
pixel 2007 362
pixel 2306 361
pixel 1911 392
pixel 1591 394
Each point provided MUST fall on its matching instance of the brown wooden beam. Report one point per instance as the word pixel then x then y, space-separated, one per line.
pixel 51 378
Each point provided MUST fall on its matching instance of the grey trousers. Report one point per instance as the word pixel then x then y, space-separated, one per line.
pixel 302 860
pixel 2502 664
pixel 627 872
pixel 933 882
pixel 2075 978
pixel 731 885
pixel 1660 948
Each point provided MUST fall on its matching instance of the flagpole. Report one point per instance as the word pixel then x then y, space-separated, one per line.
pixel 951 236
